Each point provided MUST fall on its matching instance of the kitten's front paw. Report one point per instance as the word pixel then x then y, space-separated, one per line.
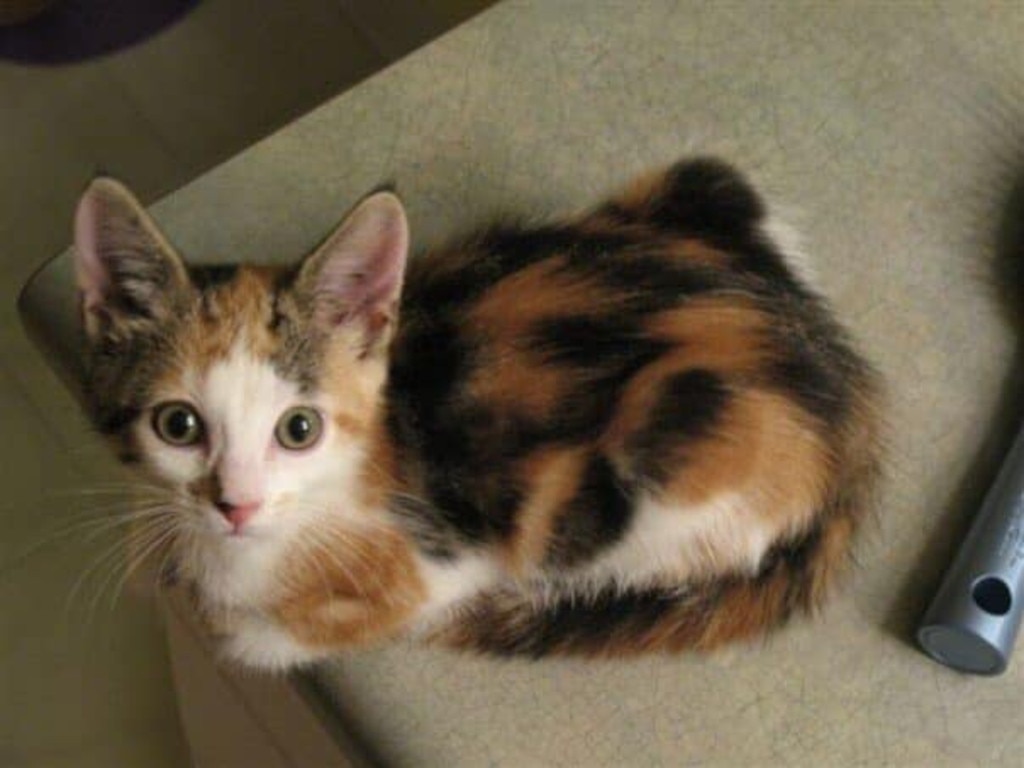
pixel 255 641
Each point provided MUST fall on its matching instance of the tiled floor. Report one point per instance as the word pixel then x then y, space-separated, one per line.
pixel 85 683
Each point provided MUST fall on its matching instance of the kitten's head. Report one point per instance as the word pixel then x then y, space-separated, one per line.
pixel 250 393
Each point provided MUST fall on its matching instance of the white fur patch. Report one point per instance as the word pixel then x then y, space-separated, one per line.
pixel 790 242
pixel 448 584
pixel 668 543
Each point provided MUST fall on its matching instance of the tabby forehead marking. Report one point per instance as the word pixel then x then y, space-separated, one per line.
pixel 236 309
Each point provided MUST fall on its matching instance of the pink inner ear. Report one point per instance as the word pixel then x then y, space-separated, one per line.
pixel 363 263
pixel 91 272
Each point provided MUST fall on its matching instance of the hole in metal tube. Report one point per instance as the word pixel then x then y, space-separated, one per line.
pixel 992 595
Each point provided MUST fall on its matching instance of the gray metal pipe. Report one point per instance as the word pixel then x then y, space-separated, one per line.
pixel 974 619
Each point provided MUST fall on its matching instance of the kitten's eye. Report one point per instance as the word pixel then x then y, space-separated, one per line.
pixel 178 424
pixel 298 428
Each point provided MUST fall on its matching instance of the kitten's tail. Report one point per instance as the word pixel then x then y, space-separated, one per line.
pixel 702 616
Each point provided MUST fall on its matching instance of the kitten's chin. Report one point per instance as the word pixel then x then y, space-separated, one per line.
pixel 236 568
pixel 238 543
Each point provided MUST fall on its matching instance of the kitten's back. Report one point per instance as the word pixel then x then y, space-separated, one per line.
pixel 661 432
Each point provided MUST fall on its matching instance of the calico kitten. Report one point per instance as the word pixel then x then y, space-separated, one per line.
pixel 632 430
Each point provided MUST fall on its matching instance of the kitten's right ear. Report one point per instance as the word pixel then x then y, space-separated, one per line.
pixel 126 270
pixel 354 279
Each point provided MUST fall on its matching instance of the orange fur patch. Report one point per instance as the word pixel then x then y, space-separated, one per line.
pixel 722 333
pixel 637 195
pixel 542 290
pixel 553 476
pixel 239 307
pixel 354 385
pixel 513 377
pixel 696 251
pixel 765 449
pixel 350 588
pixel 716 334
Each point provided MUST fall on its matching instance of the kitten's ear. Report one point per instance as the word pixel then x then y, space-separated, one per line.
pixel 126 270
pixel 354 280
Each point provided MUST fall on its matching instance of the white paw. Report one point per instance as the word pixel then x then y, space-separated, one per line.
pixel 260 643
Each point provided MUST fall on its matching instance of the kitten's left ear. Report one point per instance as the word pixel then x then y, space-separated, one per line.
pixel 354 280
pixel 127 272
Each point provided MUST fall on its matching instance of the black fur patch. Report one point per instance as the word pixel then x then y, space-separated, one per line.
pixel 651 282
pixel 210 276
pixel 590 342
pixel 697 197
pixel 812 383
pixel 774 277
pixel 581 623
pixel 457 445
pixel 129 456
pixel 518 248
pixel 429 526
pixel 689 406
pixel 795 554
pixel 475 511
pixel 116 419
pixel 500 252
pixel 428 365
pixel 707 196
pixel 604 353
pixel 596 517
pixel 813 364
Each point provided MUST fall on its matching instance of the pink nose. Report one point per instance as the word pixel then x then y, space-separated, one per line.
pixel 238 514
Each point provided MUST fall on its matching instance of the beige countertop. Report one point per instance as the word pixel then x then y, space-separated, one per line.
pixel 882 131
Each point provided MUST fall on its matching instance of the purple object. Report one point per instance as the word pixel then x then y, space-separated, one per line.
pixel 75 30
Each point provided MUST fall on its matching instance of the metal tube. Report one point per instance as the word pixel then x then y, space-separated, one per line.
pixel 973 621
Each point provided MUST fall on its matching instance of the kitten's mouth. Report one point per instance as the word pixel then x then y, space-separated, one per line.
pixel 240 533
pixel 221 528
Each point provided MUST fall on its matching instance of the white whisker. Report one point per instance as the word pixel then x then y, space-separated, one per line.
pixel 165 538
pixel 102 560
pixel 139 542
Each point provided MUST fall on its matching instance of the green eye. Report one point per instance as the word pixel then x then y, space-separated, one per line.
pixel 178 424
pixel 298 428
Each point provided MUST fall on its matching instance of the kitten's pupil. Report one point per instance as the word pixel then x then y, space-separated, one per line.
pixel 299 428
pixel 180 424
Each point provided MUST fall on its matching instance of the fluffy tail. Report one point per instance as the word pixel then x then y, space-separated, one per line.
pixel 702 617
